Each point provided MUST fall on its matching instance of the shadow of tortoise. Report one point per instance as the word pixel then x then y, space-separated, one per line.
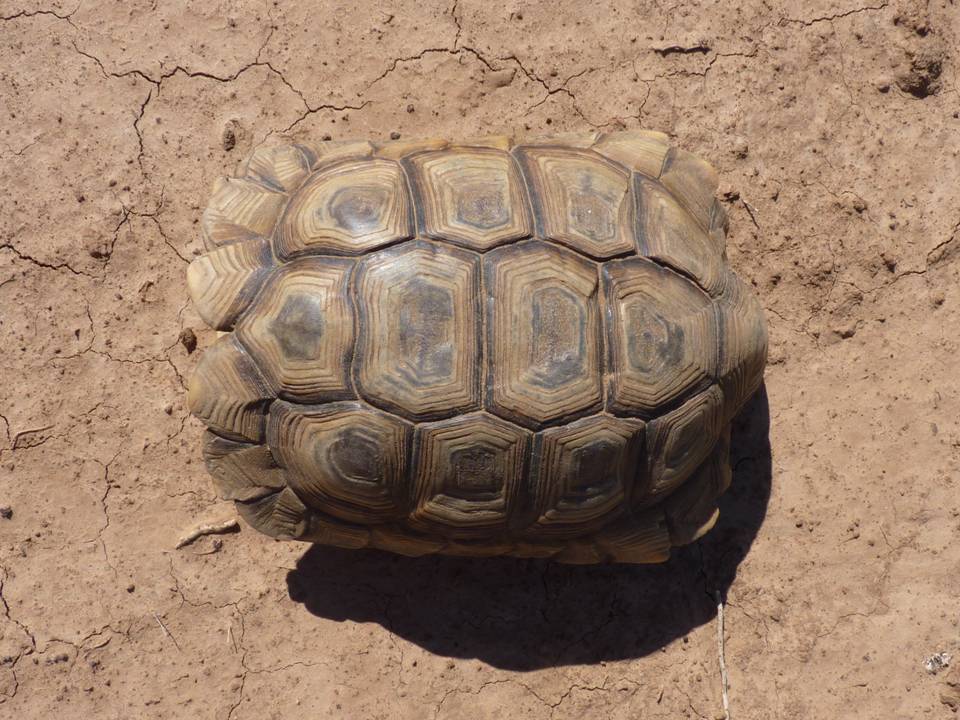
pixel 521 614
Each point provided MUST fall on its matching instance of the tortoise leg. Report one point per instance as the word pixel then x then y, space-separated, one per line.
pixel 692 509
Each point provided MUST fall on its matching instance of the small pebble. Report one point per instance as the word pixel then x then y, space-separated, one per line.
pixel 394 135
pixel 6 512
pixel 131 587
pixel 740 147
pixel 229 138
pixel 188 338
pixel 846 331
pixel 410 108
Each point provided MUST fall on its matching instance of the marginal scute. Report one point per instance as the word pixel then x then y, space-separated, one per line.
pixel 300 330
pixel 343 458
pixel 471 197
pixel 478 548
pixel 661 337
pixel 582 140
pixel 228 393
pixel 280 515
pixel 398 149
pixel 584 473
pixel 539 549
pixel 241 471
pixel 680 440
pixel 282 167
pixel 543 334
pixel 329 152
pixel 693 181
pixel 640 537
pixel 418 352
pixel 743 344
pixel 580 551
pixel 346 209
pixel 667 233
pixel 691 510
pixel 240 209
pixel 405 542
pixel 580 199
pixel 718 228
pixel 330 531
pixel 496 142
pixel 642 151
pixel 468 475
pixel 223 282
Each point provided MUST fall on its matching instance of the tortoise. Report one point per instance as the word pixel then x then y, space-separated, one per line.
pixel 477 348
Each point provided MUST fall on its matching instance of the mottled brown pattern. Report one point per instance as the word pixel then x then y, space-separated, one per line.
pixel 483 366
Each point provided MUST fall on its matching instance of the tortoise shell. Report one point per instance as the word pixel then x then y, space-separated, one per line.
pixel 479 348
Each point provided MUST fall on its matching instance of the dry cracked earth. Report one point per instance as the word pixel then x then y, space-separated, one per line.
pixel 835 129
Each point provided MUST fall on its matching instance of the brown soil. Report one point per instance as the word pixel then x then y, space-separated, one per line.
pixel 835 128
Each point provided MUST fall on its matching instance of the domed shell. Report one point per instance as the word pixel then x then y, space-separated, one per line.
pixel 476 348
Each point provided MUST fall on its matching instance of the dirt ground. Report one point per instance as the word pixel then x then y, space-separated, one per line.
pixel 835 129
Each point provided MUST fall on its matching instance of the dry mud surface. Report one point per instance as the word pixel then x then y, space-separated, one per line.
pixel 835 129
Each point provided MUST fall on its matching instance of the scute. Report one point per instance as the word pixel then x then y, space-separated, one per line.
pixel 280 515
pixel 642 151
pixel 584 473
pixel 241 471
pixel 347 209
pixel 680 440
pixel 641 537
pixel 543 334
pixel 693 181
pixel 342 458
pixel 743 343
pixel 282 167
pixel 471 197
pixel 300 330
pixel 228 393
pixel 240 209
pixel 692 510
pixel 468 474
pixel 418 353
pixel 667 233
pixel 580 200
pixel 661 337
pixel 223 282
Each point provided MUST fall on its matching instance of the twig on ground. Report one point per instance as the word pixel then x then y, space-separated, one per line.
pixel 751 211
pixel 207 529
pixel 723 663
pixel 165 631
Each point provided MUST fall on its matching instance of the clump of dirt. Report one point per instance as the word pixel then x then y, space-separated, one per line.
pixel 921 71
pixel 923 76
